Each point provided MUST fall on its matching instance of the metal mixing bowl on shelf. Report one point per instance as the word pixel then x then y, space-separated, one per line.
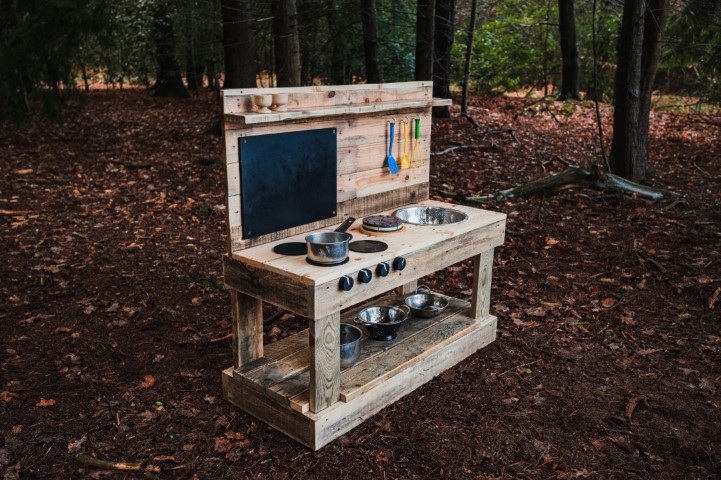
pixel 382 322
pixel 424 303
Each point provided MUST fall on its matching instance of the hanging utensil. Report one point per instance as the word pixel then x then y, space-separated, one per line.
pixel 392 164
pixel 405 159
pixel 417 143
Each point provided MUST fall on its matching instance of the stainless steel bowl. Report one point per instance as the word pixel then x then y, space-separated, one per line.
pixel 327 247
pixel 382 322
pixel 425 304
pixel 420 215
pixel 350 337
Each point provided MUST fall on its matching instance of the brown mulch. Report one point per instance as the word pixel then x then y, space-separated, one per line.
pixel 606 365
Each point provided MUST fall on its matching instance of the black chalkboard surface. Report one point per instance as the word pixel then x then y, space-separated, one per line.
pixel 287 179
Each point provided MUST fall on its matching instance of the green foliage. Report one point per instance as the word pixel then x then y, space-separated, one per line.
pixel 39 43
pixel 691 63
pixel 516 45
pixel 397 38
pixel 512 46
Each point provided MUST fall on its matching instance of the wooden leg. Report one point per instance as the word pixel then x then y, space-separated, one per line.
pixel 407 288
pixel 482 275
pixel 247 328
pixel 325 361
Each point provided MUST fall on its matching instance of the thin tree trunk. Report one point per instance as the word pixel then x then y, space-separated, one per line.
pixel 238 44
pixel 370 41
pixel 443 43
pixel 425 25
pixel 570 65
pixel 639 46
pixel 654 26
pixel 469 49
pixel 285 40
pixel 168 82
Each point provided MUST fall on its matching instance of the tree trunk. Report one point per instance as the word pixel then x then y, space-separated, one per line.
pixel 425 12
pixel 569 50
pixel 469 49
pixel 285 41
pixel 442 45
pixel 168 82
pixel 238 44
pixel 638 51
pixel 370 42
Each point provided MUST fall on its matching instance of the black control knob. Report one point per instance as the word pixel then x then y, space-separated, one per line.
pixel 345 283
pixel 365 275
pixel 399 263
pixel 383 269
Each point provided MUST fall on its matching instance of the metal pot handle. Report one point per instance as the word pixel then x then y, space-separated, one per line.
pixel 357 320
pixel 423 289
pixel 405 308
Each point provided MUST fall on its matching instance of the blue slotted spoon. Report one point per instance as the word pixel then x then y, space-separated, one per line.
pixel 392 164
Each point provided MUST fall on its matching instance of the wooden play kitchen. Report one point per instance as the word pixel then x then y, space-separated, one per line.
pixel 317 158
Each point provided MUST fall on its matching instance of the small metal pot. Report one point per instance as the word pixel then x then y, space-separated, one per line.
pixel 383 322
pixel 329 248
pixel 425 304
pixel 350 337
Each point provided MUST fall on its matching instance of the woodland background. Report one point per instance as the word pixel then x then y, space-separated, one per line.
pixel 112 222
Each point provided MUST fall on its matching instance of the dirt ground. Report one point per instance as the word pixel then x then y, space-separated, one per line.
pixel 606 363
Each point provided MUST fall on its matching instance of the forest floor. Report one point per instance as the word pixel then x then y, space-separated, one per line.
pixel 608 357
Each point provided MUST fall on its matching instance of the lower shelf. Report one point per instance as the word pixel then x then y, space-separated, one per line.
pixel 275 387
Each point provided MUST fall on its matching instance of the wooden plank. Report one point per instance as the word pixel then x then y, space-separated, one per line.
pixel 407 288
pixel 274 372
pixel 395 361
pixel 240 100
pixel 420 262
pixel 296 391
pixel 379 181
pixel 325 361
pixel 247 328
pixel 295 425
pixel 357 207
pixel 273 352
pixel 341 417
pixel 284 291
pixel 312 113
pixel 482 278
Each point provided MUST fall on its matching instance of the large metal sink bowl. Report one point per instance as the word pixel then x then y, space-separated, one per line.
pixel 420 215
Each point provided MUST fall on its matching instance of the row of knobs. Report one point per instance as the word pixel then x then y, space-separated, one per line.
pixel 365 275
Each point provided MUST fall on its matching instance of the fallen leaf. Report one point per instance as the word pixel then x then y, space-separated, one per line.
pixel 608 302
pixel 222 445
pixel 628 320
pixel 45 403
pixel 536 312
pixel 6 396
pixel 24 171
pixel 383 456
pixel 644 352
pixel 509 400
pixel 88 310
pixel 448 375
pixel 551 241
pixel 148 381
pixel 75 446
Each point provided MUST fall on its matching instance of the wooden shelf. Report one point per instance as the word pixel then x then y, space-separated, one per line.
pixel 385 371
pixel 309 113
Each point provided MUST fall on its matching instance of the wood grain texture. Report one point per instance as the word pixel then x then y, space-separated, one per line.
pixel 247 328
pixel 343 416
pixel 482 278
pixel 357 207
pixel 325 361
pixel 295 425
pixel 284 291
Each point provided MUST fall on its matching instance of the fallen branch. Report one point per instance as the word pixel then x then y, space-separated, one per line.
pixel 482 148
pixel 571 177
pixel 149 471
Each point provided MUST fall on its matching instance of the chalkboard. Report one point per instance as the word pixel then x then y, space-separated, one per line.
pixel 287 179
